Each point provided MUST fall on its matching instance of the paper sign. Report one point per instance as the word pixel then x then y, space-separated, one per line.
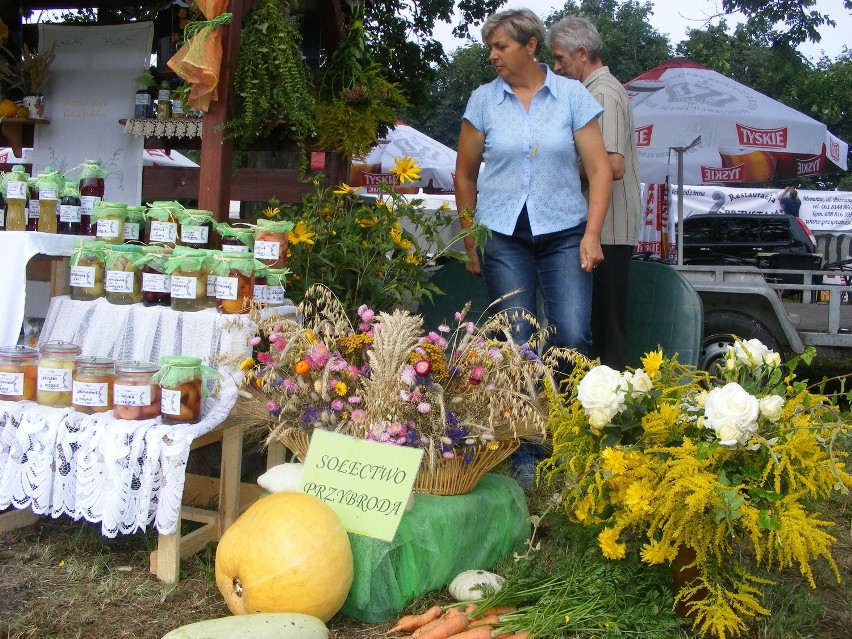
pixel 366 483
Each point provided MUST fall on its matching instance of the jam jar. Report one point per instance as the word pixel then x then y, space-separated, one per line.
pixel 92 190
pixel 134 395
pixel 162 223
pixel 87 270
pixel 33 205
pixel 259 290
pixel 108 220
pixel 189 268
pixel 50 183
pixel 56 373
pixel 133 223
pixel 236 239
pixel 270 242
pixel 69 210
pixel 234 282
pixel 195 225
pixel 16 186
pixel 18 373
pixel 92 384
pixel 156 283
pixel 276 279
pixel 123 273
pixel 180 380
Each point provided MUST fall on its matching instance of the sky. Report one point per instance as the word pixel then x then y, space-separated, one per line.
pixel 674 17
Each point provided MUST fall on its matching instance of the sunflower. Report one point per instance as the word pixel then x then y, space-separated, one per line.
pixel 345 189
pixel 406 168
pixel 301 234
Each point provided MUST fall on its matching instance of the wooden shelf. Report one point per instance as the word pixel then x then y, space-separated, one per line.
pixel 12 132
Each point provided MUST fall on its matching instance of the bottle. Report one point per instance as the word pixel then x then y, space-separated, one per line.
pixel 33 205
pixel 87 271
pixel 234 281
pixel 92 189
pixel 17 192
pixel 56 373
pixel 92 384
pixel 156 283
pixel 69 210
pixel 18 373
pixel 123 273
pixel 134 396
pixel 180 380
pixel 108 220
pixel 164 107
pixel 49 183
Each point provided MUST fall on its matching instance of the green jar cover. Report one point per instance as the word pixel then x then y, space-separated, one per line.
pixel 179 369
pixel 17 174
pixel 87 249
pixel 154 256
pixel 194 217
pixel 244 234
pixel 92 169
pixel 135 214
pixel 115 252
pixel 50 179
pixel 70 189
pixel 108 210
pixel 274 226
pixel 163 210
pixel 243 263
pixel 276 276
pixel 187 259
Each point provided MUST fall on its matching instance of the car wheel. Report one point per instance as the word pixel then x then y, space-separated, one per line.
pixel 719 330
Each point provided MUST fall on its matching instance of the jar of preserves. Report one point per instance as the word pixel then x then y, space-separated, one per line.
pixel 69 210
pixel 236 239
pixel 49 183
pixel 16 189
pixel 234 281
pixel 92 189
pixel 18 373
pixel 92 384
pixel 123 273
pixel 56 373
pixel 133 223
pixel 164 106
pixel 87 270
pixel 182 383
pixel 276 279
pixel 134 395
pixel 270 242
pixel 162 221
pixel 211 278
pixel 189 268
pixel 33 205
pixel 195 227
pixel 2 208
pixel 156 283
pixel 108 220
pixel 259 290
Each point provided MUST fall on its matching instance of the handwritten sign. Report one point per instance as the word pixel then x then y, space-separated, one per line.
pixel 366 483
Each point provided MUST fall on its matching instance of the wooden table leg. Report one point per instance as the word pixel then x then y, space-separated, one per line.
pixel 230 477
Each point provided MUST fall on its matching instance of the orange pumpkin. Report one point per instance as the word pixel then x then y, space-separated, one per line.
pixel 287 553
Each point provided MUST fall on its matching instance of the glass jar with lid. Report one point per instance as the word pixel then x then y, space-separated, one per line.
pixel 234 281
pixel 50 183
pixel 92 384
pixel 276 280
pixel 162 222
pixel 236 239
pixel 134 395
pixel 211 278
pixel 182 383
pixel 195 225
pixel 133 224
pixel 18 373
pixel 16 190
pixel 123 273
pixel 156 283
pixel 92 189
pixel 56 373
pixel 87 270
pixel 108 220
pixel 188 268
pixel 70 220
pixel 270 242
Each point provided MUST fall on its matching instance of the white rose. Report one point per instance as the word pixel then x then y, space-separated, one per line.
pixel 770 407
pixel 731 412
pixel 750 353
pixel 598 419
pixel 772 359
pixel 639 382
pixel 602 389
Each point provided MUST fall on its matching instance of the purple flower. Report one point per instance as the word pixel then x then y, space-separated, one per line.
pixel 337 405
pixel 355 399
pixel 358 416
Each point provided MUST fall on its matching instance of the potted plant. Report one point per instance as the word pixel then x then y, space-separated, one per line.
pixel 27 75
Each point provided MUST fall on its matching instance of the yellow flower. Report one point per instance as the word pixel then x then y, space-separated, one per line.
pixel 657 553
pixel 398 239
pixel 345 189
pixel 406 168
pixel 652 362
pixel 270 212
pixel 414 258
pixel 340 388
pixel 301 234
pixel 636 496
pixel 608 540
pixel 246 364
pixel 613 460
pixel 366 222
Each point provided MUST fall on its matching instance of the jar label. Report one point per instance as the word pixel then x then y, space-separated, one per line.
pixel 170 402
pixel 16 190
pixel 90 394
pixel 54 379
pixel 264 250
pixel 234 248
pixel 211 285
pixel 275 295
pixel 164 94
pixel 83 276
pixel 163 231
pixel 183 288
pixel 194 234
pixel 48 193
pixel 11 384
pixel 107 228
pixel 69 213
pixel 119 281
pixel 131 230
pixel 128 395
pixel 156 283
pixel 226 287
pixel 87 203
pixel 34 209
pixel 259 293
pixel 143 98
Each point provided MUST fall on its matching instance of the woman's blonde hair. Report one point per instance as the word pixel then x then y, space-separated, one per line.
pixel 520 24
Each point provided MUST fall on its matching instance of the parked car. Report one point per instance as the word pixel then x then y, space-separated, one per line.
pixel 765 241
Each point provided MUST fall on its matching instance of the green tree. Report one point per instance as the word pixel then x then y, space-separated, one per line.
pixel 798 20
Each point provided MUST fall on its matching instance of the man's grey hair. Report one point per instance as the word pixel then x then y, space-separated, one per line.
pixel 574 32
pixel 520 24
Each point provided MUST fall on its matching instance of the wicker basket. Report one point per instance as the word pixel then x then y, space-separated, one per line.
pixel 445 477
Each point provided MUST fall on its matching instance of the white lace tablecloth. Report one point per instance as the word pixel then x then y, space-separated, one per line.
pixel 126 475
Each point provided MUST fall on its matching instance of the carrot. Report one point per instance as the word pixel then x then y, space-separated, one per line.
pixel 487 620
pixel 520 635
pixel 498 610
pixel 483 632
pixel 409 623
pixel 442 628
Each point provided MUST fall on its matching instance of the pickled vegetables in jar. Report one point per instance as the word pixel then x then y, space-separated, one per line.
pixel 70 220
pixel 92 384
pixel 270 242
pixel 122 274
pixel 275 293
pixel 162 223
pixel 56 373
pixel 156 283
pixel 87 270
pixel 16 190
pixel 236 239
pixel 108 220
pixel 188 268
pixel 49 183
pixel 18 373
pixel 133 223
pixel 234 281
pixel 33 205
pixel 195 225
pixel 182 383
pixel 135 396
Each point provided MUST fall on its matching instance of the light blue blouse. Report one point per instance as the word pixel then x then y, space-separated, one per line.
pixel 530 157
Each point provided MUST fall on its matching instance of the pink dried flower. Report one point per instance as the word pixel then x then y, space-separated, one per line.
pixel 448 454
pixel 337 405
pixel 424 407
pixel 264 358
pixel 477 374
pixel 470 327
pixel 443 328
pixel 457 316
pixel 290 386
pixel 355 399
pixel 254 341
pixel 358 416
pixel 271 406
pixel 423 367
pixel 279 344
